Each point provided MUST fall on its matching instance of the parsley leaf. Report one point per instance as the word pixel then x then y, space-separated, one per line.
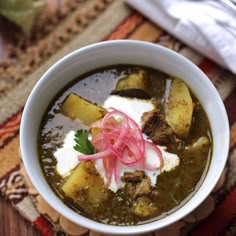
pixel 83 144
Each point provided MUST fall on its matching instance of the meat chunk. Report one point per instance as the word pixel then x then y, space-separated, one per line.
pixel 155 126
pixel 138 189
pixel 130 189
pixel 143 188
pixel 135 176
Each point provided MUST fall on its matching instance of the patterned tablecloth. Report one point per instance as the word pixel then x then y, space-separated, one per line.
pixel 59 31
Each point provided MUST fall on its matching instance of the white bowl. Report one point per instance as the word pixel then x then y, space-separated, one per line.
pixel 113 53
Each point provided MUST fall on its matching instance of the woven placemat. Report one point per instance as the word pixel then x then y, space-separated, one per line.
pixel 76 24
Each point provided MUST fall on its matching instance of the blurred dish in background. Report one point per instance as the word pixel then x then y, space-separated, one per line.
pixel 22 13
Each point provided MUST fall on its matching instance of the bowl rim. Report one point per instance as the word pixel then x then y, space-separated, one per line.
pixel 85 222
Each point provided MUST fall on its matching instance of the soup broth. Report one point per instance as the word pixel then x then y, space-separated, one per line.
pixel 190 147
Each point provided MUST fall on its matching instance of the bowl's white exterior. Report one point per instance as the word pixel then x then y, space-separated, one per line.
pixel 122 52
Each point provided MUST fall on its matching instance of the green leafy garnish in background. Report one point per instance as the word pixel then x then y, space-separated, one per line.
pixel 21 12
pixel 83 144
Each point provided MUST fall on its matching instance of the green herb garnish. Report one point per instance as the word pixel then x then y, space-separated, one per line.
pixel 83 144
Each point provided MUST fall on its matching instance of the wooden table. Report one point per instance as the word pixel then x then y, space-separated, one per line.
pixel 12 223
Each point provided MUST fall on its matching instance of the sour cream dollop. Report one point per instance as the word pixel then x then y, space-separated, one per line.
pixel 67 157
pixel 132 107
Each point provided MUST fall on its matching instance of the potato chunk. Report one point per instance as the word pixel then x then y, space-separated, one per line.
pixel 199 148
pixel 75 106
pixel 143 207
pixel 85 186
pixel 134 85
pixel 179 108
pixel 199 144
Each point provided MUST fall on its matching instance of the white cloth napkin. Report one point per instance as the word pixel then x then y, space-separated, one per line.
pixel 208 26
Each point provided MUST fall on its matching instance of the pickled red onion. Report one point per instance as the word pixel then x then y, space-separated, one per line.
pixel 120 140
pixel 158 151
